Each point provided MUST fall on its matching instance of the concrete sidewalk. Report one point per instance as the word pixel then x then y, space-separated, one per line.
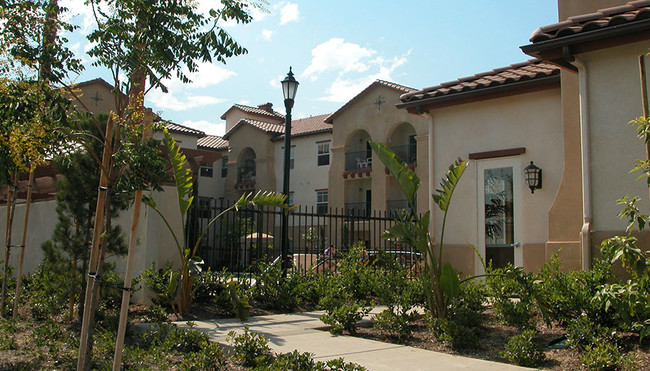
pixel 298 331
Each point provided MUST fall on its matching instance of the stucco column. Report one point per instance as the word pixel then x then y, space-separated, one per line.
pixel 336 189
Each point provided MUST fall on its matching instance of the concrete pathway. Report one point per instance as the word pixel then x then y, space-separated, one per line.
pixel 298 331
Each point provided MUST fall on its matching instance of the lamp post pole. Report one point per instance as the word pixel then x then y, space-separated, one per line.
pixel 289 87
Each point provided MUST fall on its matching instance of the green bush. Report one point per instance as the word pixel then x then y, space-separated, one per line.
pixel 250 348
pixel 7 329
pixel 344 316
pixel 514 295
pixel 294 361
pixel 272 291
pixel 338 364
pixel 209 357
pixel 163 283
pixel 582 331
pixel 606 356
pixel 523 351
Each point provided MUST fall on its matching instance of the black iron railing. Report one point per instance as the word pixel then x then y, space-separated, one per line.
pixel 358 160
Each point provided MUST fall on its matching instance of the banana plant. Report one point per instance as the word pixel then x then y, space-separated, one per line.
pixel 441 281
pixel 190 262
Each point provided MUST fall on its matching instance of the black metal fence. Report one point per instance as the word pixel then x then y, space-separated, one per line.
pixel 239 239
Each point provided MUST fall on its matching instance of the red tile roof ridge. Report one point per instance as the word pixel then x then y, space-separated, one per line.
pixel 212 142
pixel 602 18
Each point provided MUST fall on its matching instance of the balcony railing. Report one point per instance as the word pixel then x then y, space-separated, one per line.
pixel 407 152
pixel 392 206
pixel 357 208
pixel 246 174
pixel 358 160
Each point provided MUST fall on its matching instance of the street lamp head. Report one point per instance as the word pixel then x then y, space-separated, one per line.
pixel 289 86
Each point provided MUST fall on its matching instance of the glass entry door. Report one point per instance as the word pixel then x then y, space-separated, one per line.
pixel 499 212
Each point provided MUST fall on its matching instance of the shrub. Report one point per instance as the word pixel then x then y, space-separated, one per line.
pixel 7 329
pixel 209 358
pixel 514 293
pixel 606 356
pixel 250 348
pixel 462 326
pixel 163 283
pixel 272 291
pixel 294 361
pixel 582 331
pixel 338 364
pixel 344 316
pixel 523 351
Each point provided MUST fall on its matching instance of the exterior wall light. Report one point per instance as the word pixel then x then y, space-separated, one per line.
pixel 533 177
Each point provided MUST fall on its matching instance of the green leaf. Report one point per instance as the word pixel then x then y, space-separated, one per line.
pixel 406 178
pixel 449 282
pixel 449 182
pixel 182 175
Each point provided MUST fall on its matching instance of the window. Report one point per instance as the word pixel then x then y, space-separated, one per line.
pixel 321 202
pixel 292 158
pixel 205 207
pixel 290 199
pixel 224 166
pixel 323 153
pixel 206 170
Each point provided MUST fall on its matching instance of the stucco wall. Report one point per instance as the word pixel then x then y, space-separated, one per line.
pixel 531 120
pixel 244 137
pixel 306 176
pixel 363 114
pixel 614 95
pixel 155 242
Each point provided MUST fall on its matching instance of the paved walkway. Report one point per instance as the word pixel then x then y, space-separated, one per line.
pixel 298 331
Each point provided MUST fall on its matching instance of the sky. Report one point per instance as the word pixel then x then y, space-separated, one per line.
pixel 336 49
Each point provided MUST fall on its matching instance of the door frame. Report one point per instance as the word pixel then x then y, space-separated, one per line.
pixel 517 183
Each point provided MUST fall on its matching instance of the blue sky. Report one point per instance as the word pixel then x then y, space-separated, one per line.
pixel 337 48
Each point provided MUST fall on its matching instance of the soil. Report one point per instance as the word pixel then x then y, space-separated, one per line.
pixel 494 336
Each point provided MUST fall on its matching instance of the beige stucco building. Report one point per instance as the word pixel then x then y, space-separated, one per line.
pixel 358 183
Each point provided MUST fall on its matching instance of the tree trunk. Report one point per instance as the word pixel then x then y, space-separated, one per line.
pixel 11 208
pixel 85 344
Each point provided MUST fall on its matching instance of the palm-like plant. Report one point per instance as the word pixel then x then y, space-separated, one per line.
pixel 190 262
pixel 441 281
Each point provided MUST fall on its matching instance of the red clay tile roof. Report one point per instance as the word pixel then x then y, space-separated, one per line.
pixel 501 77
pixel 388 84
pixel 212 142
pixel 633 11
pixel 176 128
pixel 307 126
pixel 256 111
pixel 267 127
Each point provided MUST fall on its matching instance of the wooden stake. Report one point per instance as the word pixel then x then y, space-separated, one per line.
pixel 19 278
pixel 92 288
pixel 11 208
pixel 128 274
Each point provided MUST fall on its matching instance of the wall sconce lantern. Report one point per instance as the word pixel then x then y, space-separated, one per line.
pixel 533 177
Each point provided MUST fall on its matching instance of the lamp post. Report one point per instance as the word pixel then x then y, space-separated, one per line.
pixel 289 87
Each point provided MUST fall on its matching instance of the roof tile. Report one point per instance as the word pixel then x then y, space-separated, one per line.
pixel 176 128
pixel 256 111
pixel 214 142
pixel 518 72
pixel 308 126
pixel 603 18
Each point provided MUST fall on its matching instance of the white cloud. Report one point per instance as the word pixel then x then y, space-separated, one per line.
pixel 289 13
pixel 179 99
pixel 210 128
pixel 344 89
pixel 336 54
pixel 267 34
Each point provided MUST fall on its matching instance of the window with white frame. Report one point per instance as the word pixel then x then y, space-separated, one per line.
pixel 321 202
pixel 292 158
pixel 290 199
pixel 323 153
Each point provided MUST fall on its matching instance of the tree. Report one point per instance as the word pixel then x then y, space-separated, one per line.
pixel 441 281
pixel 31 56
pixel 148 41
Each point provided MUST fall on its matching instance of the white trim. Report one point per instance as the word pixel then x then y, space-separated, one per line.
pixel 517 183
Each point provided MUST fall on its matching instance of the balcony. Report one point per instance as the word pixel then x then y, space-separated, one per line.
pixel 245 177
pixel 358 164
pixel 407 152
